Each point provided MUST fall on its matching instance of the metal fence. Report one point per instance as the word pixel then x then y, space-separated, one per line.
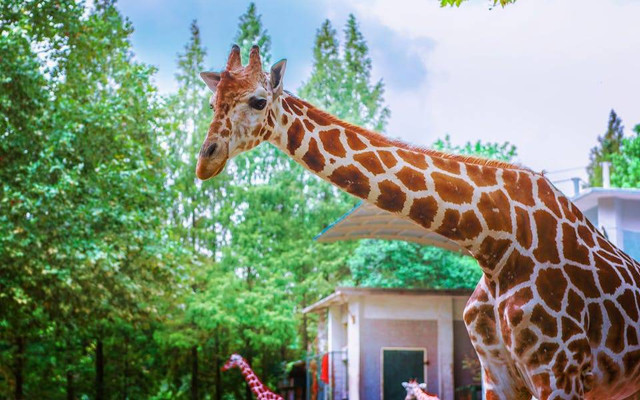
pixel 327 376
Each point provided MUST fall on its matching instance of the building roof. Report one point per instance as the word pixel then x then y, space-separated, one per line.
pixel 589 198
pixel 366 221
pixel 342 294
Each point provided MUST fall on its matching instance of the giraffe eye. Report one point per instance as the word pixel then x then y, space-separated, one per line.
pixel 211 106
pixel 257 103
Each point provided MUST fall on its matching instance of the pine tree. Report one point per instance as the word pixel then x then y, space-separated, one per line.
pixel 341 85
pixel 250 32
pixel 324 87
pixel 608 145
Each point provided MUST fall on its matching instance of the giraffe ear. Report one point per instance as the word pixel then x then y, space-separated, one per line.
pixel 211 79
pixel 423 386
pixel 277 72
pixel 405 385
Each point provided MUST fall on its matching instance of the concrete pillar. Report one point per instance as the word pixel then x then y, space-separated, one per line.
pixel 354 320
pixel 609 219
pixel 445 349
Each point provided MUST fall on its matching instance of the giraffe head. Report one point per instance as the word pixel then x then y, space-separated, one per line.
pixel 241 100
pixel 413 389
pixel 235 360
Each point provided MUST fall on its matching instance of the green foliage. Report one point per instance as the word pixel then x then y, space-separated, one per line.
pixel 457 3
pixel 608 145
pixel 383 263
pixel 496 151
pixel 250 32
pixel 341 85
pixel 626 163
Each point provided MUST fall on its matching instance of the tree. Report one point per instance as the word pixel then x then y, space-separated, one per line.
pixel 457 3
pixel 626 163
pixel 341 85
pixel 81 197
pixel 250 32
pixel 608 145
pixel 493 150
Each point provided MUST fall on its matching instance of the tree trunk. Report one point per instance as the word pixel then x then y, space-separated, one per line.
pixel 99 371
pixel 19 368
pixel 70 394
pixel 125 370
pixel 305 335
pixel 194 373
pixel 217 366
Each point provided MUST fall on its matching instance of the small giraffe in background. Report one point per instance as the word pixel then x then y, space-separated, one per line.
pixel 557 311
pixel 257 387
pixel 416 391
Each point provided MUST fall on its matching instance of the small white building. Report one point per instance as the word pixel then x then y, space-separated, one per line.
pixel 377 338
pixel 616 212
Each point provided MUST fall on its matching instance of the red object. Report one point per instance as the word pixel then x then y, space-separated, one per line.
pixel 324 372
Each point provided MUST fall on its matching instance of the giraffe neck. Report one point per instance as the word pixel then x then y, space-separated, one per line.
pixel 463 199
pixel 257 387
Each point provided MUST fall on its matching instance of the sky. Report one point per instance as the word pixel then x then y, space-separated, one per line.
pixel 540 74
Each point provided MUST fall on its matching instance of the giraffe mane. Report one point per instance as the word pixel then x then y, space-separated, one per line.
pixel 467 159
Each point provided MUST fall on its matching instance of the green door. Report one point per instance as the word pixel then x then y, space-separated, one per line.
pixel 400 365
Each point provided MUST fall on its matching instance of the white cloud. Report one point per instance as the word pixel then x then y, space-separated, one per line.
pixel 541 74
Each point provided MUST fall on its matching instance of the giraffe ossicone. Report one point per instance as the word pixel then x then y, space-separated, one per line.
pixel 556 314
pixel 257 387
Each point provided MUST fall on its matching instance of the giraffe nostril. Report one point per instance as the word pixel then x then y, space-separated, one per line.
pixel 208 152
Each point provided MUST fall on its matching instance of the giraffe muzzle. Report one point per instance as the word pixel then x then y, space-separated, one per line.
pixel 211 160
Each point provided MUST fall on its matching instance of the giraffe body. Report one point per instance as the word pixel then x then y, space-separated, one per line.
pixel 257 387
pixel 556 314
pixel 415 391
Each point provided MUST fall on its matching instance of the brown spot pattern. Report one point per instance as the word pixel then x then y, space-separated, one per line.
pixel 545 321
pixel 453 190
pixel 573 250
pixel 370 161
pixel 545 193
pixel 446 164
pixel 387 158
pixel 594 330
pixel 310 127
pixel 523 228
pixel 423 211
pixel 615 336
pixel 525 339
pixel 391 197
pixel 551 285
pixel 628 303
pixel 354 142
pixel 416 159
pixel 459 227
pixel 569 329
pixel 609 367
pixel 482 176
pixel 331 142
pixel 518 186
pixel 518 269
pixel 295 134
pixel 583 280
pixel 352 180
pixel 543 354
pixel 546 225
pixel 313 158
pixel 495 207
pixel 412 179
pixel 575 305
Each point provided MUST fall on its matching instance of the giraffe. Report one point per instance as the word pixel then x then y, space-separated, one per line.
pixel 258 388
pixel 416 391
pixel 556 313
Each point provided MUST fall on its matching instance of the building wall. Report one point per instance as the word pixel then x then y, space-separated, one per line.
pixel 379 333
pixel 462 347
